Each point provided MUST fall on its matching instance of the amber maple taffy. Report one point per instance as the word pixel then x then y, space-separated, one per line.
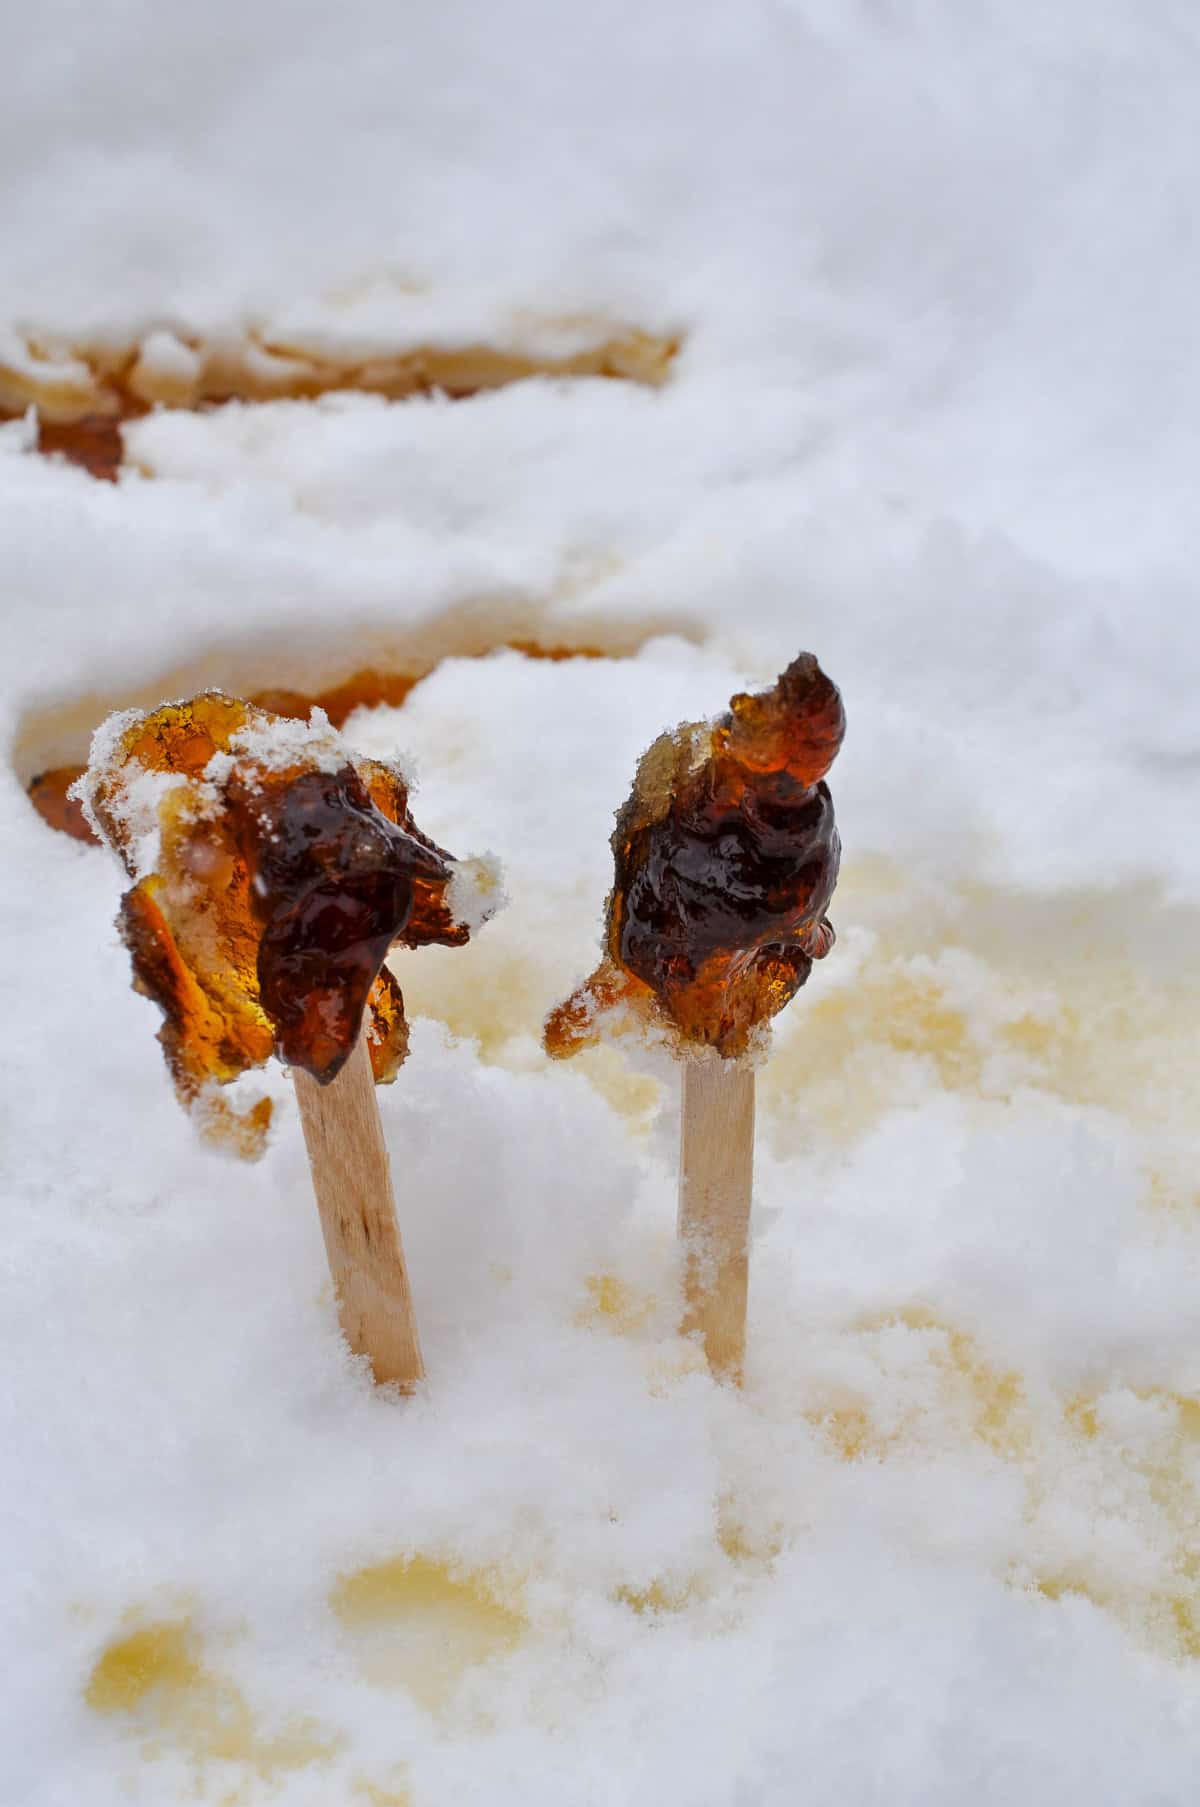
pixel 272 874
pixel 726 857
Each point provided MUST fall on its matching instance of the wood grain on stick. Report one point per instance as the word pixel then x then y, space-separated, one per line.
pixel 353 1183
pixel 716 1178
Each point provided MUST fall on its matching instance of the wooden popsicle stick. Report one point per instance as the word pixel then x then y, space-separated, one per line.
pixel 353 1183
pixel 716 1179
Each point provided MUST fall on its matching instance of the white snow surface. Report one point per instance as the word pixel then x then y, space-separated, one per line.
pixel 934 418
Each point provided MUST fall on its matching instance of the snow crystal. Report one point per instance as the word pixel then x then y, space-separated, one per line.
pixel 276 743
pixel 476 891
pixel 134 794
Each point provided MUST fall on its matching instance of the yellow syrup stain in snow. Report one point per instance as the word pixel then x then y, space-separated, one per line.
pixel 660 1596
pixel 743 1546
pixel 981 991
pixel 613 1304
pixel 635 1096
pixel 488 1003
pixel 742 1549
pixel 156 1658
pixel 155 1679
pixel 1143 1450
pixel 948 1386
pixel 1173 1192
pixel 1110 1479
pixel 420 1625
pixel 497 996
pixel 371 1794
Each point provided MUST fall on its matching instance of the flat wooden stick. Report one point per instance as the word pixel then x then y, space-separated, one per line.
pixel 353 1183
pixel 716 1179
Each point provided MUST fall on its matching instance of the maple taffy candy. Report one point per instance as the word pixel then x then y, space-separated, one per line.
pixel 726 858
pixel 273 871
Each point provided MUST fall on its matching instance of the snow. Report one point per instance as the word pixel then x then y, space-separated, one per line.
pixel 275 743
pixel 934 417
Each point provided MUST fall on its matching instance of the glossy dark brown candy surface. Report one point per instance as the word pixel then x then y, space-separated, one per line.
pixel 726 857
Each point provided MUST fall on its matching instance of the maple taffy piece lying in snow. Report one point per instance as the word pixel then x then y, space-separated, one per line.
pixel 273 871
pixel 726 858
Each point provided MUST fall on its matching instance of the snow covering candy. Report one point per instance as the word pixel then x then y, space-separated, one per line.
pixel 933 416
